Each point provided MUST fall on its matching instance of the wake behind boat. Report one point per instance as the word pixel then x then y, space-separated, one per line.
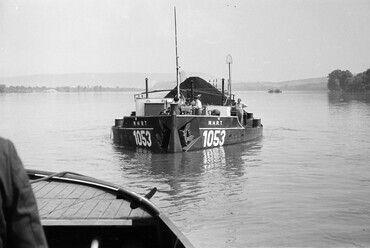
pixel 79 211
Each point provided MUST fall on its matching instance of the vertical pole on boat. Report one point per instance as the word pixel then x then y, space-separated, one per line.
pixel 146 87
pixel 223 92
pixel 229 60
pixel 177 58
pixel 192 89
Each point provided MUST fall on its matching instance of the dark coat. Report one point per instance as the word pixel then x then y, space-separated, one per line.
pixel 19 218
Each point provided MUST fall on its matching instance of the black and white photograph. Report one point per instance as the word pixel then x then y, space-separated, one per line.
pixel 197 123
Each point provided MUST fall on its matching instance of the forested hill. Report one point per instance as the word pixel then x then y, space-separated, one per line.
pixel 340 80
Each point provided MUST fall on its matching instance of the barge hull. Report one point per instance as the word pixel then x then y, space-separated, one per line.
pixel 178 133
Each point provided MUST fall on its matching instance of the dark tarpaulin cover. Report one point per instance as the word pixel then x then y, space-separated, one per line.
pixel 209 94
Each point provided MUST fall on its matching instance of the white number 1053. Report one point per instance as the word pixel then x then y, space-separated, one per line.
pixel 213 138
pixel 142 138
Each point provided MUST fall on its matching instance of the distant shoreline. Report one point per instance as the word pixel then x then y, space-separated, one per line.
pixel 77 89
pixel 136 82
pixel 82 89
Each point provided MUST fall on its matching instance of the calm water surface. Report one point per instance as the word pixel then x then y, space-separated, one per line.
pixel 306 183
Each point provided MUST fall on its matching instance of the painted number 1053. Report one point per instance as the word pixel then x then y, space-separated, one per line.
pixel 213 138
pixel 142 138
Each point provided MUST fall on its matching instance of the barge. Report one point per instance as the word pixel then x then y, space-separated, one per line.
pixel 166 125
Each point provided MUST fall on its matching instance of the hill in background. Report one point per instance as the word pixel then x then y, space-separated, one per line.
pixel 156 81
pixel 310 84
pixel 113 80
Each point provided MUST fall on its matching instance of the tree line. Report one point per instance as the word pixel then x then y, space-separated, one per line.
pixel 339 80
pixel 43 89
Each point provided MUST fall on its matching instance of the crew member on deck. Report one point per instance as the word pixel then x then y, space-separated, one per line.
pixel 177 108
pixel 185 109
pixel 239 106
pixel 198 105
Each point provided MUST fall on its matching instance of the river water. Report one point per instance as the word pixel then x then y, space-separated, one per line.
pixel 306 183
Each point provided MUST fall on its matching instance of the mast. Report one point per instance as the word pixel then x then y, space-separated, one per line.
pixel 229 60
pixel 177 59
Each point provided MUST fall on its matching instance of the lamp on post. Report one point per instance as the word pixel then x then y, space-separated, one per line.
pixel 229 61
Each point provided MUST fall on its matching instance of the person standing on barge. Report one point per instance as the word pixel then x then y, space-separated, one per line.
pixel 198 105
pixel 239 106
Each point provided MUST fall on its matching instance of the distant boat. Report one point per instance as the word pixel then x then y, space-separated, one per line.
pixel 274 91
pixel 80 211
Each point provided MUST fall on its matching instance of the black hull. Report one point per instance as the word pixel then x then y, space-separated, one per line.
pixel 179 133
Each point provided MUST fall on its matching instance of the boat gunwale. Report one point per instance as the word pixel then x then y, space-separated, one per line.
pixel 120 192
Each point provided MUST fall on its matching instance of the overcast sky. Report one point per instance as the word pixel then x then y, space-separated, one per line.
pixel 269 40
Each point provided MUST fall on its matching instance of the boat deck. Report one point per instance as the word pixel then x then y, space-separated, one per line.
pixel 78 211
pixel 64 203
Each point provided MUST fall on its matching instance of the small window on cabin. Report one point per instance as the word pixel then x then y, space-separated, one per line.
pixel 153 108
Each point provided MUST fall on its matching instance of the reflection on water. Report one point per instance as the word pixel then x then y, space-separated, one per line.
pixel 180 173
pixel 213 158
pixel 233 157
pixel 343 97
pixel 336 97
pixel 204 184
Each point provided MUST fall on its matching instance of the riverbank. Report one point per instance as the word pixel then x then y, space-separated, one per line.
pixel 44 89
